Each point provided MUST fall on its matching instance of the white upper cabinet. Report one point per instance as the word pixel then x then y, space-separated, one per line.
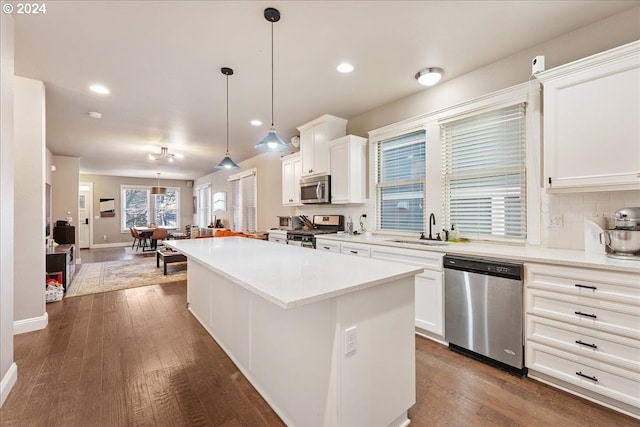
pixel 347 159
pixel 291 173
pixel 314 142
pixel 592 122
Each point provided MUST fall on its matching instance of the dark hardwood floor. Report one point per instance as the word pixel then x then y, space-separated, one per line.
pixel 138 357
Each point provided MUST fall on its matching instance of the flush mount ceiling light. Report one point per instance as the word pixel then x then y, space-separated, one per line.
pixel 163 155
pixel 429 76
pixel 157 190
pixel 227 162
pixel 272 142
pixel 102 90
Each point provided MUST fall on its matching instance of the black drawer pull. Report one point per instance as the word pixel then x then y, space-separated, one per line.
pixel 579 313
pixel 594 379
pixel 354 252
pixel 578 285
pixel 586 344
pixel 326 247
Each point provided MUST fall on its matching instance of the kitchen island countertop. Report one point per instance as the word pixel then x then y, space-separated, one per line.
pixel 285 275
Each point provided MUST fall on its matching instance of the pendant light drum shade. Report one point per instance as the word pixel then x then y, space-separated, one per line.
pixel 157 190
pixel 272 142
pixel 227 162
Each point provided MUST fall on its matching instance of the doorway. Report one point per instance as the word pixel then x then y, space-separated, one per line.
pixel 85 215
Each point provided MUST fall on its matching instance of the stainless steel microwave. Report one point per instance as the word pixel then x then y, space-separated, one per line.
pixel 315 189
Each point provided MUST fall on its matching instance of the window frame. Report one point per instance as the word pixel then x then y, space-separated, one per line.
pixel 151 208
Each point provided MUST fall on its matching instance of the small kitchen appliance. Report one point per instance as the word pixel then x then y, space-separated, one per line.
pixel 322 224
pixel 623 241
pixel 289 223
pixel 315 189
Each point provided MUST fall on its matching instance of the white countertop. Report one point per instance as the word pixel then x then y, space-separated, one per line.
pixel 566 257
pixel 289 276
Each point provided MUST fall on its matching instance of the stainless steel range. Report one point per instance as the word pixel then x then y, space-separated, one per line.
pixel 322 224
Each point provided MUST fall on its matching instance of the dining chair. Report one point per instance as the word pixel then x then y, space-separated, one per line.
pixel 136 237
pixel 158 234
pixel 141 239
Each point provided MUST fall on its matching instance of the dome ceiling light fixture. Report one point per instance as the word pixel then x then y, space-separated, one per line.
pixel 163 155
pixel 429 76
pixel 157 190
pixel 272 142
pixel 227 162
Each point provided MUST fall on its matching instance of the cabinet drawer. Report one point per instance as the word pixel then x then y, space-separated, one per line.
pixel 428 260
pixel 600 284
pixel 353 249
pixel 607 380
pixel 605 316
pixel 614 349
pixel 325 245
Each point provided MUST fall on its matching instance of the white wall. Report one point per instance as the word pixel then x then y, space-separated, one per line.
pixel 8 370
pixel 29 209
pixel 65 187
pixel 270 206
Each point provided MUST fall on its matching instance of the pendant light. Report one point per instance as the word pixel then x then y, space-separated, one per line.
pixel 272 141
pixel 157 190
pixel 227 162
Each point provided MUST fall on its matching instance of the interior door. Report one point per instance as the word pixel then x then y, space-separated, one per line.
pixel 85 197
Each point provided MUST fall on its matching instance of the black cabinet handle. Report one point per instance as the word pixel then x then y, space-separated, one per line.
pixel 586 344
pixel 326 247
pixel 579 313
pixel 354 252
pixel 594 379
pixel 578 285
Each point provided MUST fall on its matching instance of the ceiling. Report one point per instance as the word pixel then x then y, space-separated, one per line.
pixel 161 61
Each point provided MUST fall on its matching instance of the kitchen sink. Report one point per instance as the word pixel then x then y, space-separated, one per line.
pixel 421 242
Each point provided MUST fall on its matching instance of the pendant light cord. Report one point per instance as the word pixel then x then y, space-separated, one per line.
pixel 227 114
pixel 272 121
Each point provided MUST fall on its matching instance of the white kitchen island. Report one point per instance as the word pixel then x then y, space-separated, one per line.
pixel 285 315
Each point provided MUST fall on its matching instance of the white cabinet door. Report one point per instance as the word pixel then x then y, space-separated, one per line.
pixel 328 245
pixel 591 126
pixel 291 172
pixel 314 143
pixel 429 302
pixel 347 164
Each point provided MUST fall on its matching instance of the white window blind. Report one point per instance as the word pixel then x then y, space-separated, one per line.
pixel 484 175
pixel 400 182
pixel 244 202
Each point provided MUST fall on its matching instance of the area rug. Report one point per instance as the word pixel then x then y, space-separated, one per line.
pixel 115 275
pixel 139 252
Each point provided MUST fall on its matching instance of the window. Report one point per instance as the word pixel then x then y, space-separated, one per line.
pixel 244 201
pixel 139 208
pixel 401 182
pixel 203 205
pixel 484 176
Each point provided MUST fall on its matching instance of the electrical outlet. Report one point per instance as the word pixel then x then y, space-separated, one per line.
pixel 554 221
pixel 350 340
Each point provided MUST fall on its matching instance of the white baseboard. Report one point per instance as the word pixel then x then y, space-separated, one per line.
pixel 32 324
pixel 110 245
pixel 8 381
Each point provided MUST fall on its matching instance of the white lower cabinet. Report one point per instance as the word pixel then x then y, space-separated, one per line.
pixel 429 307
pixel 583 332
pixel 327 245
pixel 429 284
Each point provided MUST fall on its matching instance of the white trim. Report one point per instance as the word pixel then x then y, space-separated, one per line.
pixel 8 381
pixel 243 174
pixel 30 325
pixel 111 245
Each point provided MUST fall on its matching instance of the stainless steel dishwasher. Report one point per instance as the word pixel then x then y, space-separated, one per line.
pixel 483 310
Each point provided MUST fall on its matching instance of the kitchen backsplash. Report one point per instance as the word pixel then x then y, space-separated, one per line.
pixel 563 215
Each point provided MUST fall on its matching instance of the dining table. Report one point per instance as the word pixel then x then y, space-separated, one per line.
pixel 147 232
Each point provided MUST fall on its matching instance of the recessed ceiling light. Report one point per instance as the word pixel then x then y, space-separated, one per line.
pixel 95 115
pixel 256 122
pixel 345 67
pixel 429 76
pixel 99 89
